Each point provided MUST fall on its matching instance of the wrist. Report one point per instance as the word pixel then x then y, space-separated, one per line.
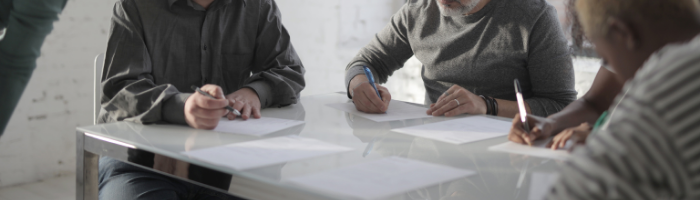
pixel 356 82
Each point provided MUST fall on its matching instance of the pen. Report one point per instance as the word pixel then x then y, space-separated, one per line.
pixel 229 108
pixel 368 73
pixel 521 106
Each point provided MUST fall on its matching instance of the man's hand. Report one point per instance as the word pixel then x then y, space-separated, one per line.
pixel 203 112
pixel 365 98
pixel 539 128
pixel 246 101
pixel 455 101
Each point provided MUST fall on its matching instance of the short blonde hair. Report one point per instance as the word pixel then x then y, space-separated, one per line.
pixel 594 14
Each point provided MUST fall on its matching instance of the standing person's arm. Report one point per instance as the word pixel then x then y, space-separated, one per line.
pixel 28 24
pixel 278 74
pixel 386 53
pixel 129 92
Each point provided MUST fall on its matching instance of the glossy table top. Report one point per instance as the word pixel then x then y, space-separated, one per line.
pixel 498 175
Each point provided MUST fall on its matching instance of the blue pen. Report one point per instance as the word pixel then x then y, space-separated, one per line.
pixel 368 73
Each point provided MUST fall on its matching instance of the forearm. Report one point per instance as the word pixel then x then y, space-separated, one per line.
pixel 142 102
pixel 356 80
pixel 574 114
pixel 509 108
pixel 13 81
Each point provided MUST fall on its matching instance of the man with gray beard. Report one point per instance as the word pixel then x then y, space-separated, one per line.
pixel 471 51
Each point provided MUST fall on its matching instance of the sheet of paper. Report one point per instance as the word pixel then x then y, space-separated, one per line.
pixel 380 178
pixel 460 131
pixel 540 185
pixel 398 110
pixel 256 127
pixel 265 152
pixel 537 150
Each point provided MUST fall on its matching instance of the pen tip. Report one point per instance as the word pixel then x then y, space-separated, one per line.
pixel 193 87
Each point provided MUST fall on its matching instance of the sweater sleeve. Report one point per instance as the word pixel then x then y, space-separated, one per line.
pixel 386 53
pixel 550 67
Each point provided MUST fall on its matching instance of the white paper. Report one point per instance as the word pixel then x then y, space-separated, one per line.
pixel 397 110
pixel 380 178
pixel 460 131
pixel 540 185
pixel 256 127
pixel 537 150
pixel 260 153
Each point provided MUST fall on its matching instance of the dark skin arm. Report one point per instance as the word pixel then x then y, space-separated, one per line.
pixel 586 109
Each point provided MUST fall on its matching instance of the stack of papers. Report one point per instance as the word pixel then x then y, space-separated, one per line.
pixel 380 178
pixel 260 153
pixel 460 131
pixel 537 150
pixel 397 110
pixel 255 127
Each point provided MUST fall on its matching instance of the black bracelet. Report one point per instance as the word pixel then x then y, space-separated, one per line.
pixel 495 105
pixel 486 101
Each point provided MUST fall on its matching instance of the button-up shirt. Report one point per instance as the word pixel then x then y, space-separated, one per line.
pixel 159 48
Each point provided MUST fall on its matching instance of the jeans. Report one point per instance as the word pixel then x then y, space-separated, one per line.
pixel 123 181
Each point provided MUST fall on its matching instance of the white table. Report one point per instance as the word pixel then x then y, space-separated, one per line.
pixel 498 174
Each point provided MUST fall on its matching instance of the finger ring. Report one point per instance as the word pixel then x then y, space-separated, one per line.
pixel 457 102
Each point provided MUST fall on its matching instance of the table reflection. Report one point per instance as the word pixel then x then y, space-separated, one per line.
pixel 203 139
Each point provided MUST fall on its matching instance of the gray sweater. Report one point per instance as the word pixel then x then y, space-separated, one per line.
pixel 482 52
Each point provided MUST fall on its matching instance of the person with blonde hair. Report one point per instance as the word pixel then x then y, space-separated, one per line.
pixel 646 147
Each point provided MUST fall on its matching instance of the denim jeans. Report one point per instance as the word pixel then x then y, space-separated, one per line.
pixel 123 181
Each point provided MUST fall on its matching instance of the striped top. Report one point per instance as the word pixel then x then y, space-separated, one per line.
pixel 650 147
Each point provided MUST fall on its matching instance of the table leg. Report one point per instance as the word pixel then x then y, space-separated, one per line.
pixel 86 170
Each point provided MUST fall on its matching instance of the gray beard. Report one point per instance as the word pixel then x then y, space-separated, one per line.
pixel 460 11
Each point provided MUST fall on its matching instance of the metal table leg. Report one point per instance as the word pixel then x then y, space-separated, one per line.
pixel 86 170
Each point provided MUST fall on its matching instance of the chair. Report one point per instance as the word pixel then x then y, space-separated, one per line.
pixel 99 64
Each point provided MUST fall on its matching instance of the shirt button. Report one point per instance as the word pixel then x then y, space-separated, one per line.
pixel 205 47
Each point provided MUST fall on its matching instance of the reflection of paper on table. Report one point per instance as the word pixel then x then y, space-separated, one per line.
pixel 398 110
pixel 540 185
pixel 380 178
pixel 460 131
pixel 538 150
pixel 257 127
pixel 259 153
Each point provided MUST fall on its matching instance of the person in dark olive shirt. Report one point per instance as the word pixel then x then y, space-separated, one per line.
pixel 24 24
pixel 236 50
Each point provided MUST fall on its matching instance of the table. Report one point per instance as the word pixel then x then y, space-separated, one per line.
pixel 499 175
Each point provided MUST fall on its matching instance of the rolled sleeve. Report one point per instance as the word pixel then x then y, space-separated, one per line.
pixel 264 92
pixel 174 108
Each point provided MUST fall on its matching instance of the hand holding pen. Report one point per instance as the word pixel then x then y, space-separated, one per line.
pixel 229 108
pixel 203 111
pixel 367 95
